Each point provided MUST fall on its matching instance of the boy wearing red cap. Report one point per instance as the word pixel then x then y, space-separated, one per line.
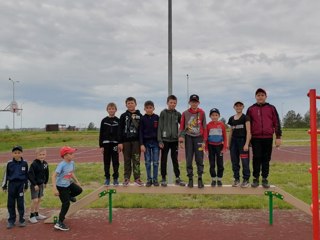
pixel 265 122
pixel 65 184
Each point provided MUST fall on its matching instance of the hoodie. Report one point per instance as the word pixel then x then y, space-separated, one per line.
pixel 193 123
pixel 129 126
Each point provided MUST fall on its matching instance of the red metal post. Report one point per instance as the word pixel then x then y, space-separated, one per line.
pixel 314 162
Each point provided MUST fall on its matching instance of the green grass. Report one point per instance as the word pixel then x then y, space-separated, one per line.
pixel 293 178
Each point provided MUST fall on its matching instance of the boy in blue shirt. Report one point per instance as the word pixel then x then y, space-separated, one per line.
pixel 15 182
pixel 65 184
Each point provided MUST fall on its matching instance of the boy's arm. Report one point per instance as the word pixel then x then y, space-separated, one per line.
pixel 225 137
pixel 26 185
pixel 277 127
pixel 100 134
pixel 75 179
pixel 5 180
pixel 160 129
pixel 54 186
pixel 46 173
pixel 182 132
pixel 204 126
pixel 31 175
pixel 248 136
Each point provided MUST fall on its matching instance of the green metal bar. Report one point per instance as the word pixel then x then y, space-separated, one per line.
pixel 110 206
pixel 270 209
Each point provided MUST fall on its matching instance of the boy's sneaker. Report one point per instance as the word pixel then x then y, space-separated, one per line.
pixel 73 199
pixel 61 226
pixel 115 182
pixel 107 182
pixel 164 182
pixel 265 183
pixel 138 182
pixel 236 183
pixel 180 182
pixel 33 219
pixel 245 183
pixel 149 183
pixel 10 225
pixel 219 183
pixel 22 224
pixel 126 182
pixel 200 183
pixel 255 183
pixel 190 184
pixel 40 217
pixel 155 183
pixel 213 183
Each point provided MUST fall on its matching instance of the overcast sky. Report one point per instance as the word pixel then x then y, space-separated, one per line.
pixel 73 57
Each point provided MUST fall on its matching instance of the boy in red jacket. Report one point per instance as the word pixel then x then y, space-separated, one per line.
pixel 192 132
pixel 265 122
pixel 217 144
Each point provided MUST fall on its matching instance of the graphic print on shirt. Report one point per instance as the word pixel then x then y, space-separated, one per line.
pixel 215 135
pixel 68 175
pixel 194 124
pixel 131 125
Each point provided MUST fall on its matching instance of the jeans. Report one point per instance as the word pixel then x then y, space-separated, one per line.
pixel 216 156
pixel 237 153
pixel 173 146
pixel 65 193
pixel 110 152
pixel 151 157
pixel 261 149
pixel 193 146
pixel 15 194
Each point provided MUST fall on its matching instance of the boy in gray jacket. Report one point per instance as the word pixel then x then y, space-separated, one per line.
pixel 168 139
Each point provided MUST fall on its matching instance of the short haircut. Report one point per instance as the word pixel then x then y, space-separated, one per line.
pixel 148 103
pixel 129 99
pixel 172 97
pixel 39 150
pixel 112 104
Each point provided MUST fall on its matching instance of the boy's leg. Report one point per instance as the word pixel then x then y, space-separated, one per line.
pixel 155 160
pixel 64 195
pixel 20 202
pixel 212 161
pixel 75 190
pixel 147 160
pixel 115 161
pixel 244 156
pixel 266 157
pixel 107 152
pixel 164 157
pixel 127 153
pixel 199 155
pixel 11 204
pixel 220 167
pixel 189 150
pixel 257 152
pixel 235 154
pixel 136 159
pixel 174 157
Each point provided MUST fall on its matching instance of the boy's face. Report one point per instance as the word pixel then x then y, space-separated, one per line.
pixel 111 111
pixel 194 104
pixel 261 98
pixel 131 106
pixel 149 109
pixel 17 155
pixel 42 155
pixel 214 117
pixel 68 157
pixel 172 104
pixel 238 107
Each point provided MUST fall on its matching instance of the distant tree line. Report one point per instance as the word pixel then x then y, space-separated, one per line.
pixel 296 120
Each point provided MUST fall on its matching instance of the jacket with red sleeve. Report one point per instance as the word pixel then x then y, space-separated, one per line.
pixel 193 123
pixel 217 134
pixel 264 120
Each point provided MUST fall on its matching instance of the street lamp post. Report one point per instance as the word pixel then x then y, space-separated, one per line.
pixel 13 101
pixel 187 90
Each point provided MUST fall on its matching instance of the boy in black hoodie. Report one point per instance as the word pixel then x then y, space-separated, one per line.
pixel 38 175
pixel 129 141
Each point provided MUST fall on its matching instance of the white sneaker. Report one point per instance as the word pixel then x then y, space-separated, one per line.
pixel 33 220
pixel 40 217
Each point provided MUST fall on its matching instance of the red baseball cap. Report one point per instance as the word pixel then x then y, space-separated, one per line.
pixel 66 149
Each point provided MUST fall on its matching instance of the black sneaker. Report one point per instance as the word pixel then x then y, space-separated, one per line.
pixel 155 183
pixel 265 183
pixel 22 224
pixel 73 199
pixel 236 183
pixel 213 183
pixel 245 183
pixel 180 182
pixel 255 183
pixel 219 183
pixel 149 183
pixel 61 226
pixel 164 182
pixel 10 225
pixel 200 183
pixel 190 184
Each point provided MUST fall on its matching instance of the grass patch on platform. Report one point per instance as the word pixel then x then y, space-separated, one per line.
pixel 293 178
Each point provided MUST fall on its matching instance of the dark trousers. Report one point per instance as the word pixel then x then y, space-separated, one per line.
pixel 65 193
pixel 131 157
pixel 193 146
pixel 110 152
pixel 15 194
pixel 237 153
pixel 216 157
pixel 173 146
pixel 261 150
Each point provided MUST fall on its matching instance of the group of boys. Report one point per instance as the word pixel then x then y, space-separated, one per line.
pixel 134 133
